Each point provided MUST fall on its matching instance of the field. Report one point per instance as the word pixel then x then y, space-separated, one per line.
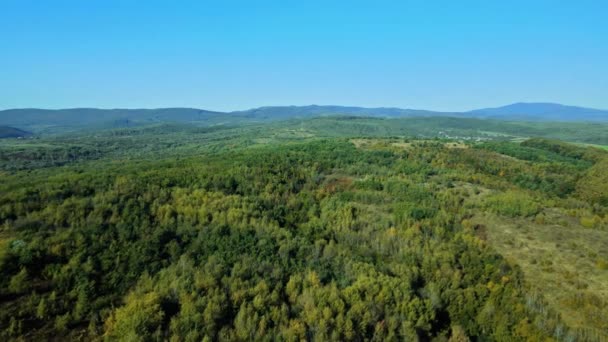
pixel 564 262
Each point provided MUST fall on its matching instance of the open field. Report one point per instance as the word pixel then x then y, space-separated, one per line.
pixel 562 260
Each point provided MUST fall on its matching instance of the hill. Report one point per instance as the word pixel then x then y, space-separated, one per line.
pixel 513 112
pixel 542 112
pixel 11 132
pixel 62 120
pixel 287 112
pixel 76 118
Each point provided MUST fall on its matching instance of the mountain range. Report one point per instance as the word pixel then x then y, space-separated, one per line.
pixel 541 112
pixel 40 120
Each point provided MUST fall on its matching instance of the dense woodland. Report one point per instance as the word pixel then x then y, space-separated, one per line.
pixel 236 234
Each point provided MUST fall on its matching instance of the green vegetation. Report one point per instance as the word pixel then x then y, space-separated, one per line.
pixel 563 260
pixel 170 139
pixel 322 229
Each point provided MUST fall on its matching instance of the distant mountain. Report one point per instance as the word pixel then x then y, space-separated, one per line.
pixel 44 120
pixel 12 132
pixel 541 112
pixel 514 112
pixel 78 117
pixel 288 112
pixel 61 120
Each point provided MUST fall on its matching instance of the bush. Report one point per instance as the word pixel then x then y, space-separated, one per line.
pixel 19 283
pixel 587 222
pixel 512 203
pixel 61 322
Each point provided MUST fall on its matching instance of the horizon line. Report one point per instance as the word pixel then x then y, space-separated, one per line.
pixel 308 105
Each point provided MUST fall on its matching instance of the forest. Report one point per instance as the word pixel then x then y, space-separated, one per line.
pixel 329 229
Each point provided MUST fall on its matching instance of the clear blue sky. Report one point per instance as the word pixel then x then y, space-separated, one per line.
pixel 227 55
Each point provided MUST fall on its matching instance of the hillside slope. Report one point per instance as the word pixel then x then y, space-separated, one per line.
pixel 90 117
pixel 12 132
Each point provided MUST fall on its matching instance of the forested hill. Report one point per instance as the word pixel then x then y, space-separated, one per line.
pixel 542 112
pixel 40 119
pixel 43 120
pixel 288 112
pixel 11 132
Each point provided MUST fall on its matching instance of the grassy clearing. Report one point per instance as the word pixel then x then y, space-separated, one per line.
pixel 371 144
pixel 458 144
pixel 603 147
pixel 25 144
pixel 561 259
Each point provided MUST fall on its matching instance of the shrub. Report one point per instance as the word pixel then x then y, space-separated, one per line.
pixel 512 203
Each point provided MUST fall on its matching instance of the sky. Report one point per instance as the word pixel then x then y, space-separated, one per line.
pixel 234 55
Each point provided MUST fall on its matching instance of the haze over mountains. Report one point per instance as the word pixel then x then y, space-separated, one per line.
pixel 36 120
